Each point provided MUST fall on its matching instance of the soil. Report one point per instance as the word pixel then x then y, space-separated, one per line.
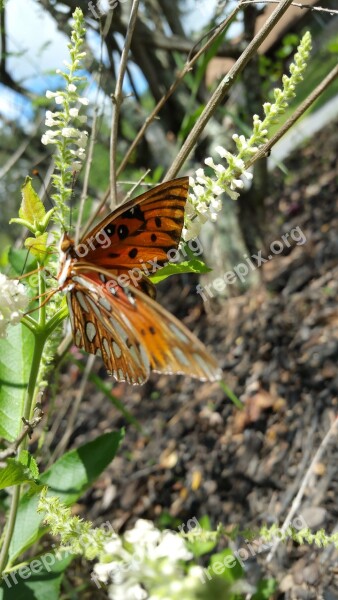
pixel 197 453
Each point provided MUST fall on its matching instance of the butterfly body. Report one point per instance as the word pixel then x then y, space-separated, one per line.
pixel 111 299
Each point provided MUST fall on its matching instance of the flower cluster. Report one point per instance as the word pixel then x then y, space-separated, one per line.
pixel 65 124
pixel 77 536
pixel 13 302
pixel 149 564
pixel 204 201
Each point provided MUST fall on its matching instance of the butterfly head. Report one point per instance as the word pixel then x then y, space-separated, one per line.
pixel 66 243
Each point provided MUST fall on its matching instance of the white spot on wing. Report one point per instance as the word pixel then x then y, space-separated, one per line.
pixel 90 330
pixel 104 302
pixel 178 333
pixel 181 357
pixel 117 350
pixel 106 346
pixel 81 300
pixel 71 314
pixel 119 329
pixel 135 355
pixel 95 308
pixel 78 338
pixel 144 358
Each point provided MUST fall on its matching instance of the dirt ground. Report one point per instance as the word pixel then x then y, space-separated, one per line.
pixel 197 454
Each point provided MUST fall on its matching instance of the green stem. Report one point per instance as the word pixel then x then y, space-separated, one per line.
pixel 40 337
pixel 39 343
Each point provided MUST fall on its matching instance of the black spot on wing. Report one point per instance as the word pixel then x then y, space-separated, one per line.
pixel 123 232
pixel 133 213
pixel 110 229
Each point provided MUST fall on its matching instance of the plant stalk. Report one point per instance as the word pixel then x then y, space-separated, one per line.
pixel 40 336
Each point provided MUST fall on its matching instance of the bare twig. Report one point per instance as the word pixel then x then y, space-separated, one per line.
pixel 20 150
pixel 264 150
pixel 135 186
pixel 224 87
pixel 28 429
pixel 297 501
pixel 117 101
pixel 297 4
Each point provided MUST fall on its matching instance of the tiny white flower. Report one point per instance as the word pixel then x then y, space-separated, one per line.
pixel 199 190
pixel 50 94
pixel 59 99
pixel 82 139
pixel 83 101
pixel 13 302
pixel 144 532
pixel 49 137
pixel 191 230
pixel 69 132
pixel 72 87
pixel 172 545
pixel 74 112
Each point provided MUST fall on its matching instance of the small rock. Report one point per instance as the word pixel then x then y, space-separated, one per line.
pixel 314 516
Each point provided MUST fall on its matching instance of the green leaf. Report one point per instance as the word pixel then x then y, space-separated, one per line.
pixel 40 579
pixel 32 209
pixel 231 395
pixel 265 589
pixel 226 565
pixel 67 479
pixel 187 266
pixel 16 353
pixel 14 473
pixel 29 461
pixel 199 547
pixel 37 246
pixel 21 260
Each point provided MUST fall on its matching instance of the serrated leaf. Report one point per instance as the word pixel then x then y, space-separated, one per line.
pixel 31 209
pixel 40 579
pixel 16 353
pixel 37 246
pixel 187 266
pixel 67 479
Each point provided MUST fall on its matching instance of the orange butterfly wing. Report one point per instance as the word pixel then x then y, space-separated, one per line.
pixel 133 333
pixel 142 230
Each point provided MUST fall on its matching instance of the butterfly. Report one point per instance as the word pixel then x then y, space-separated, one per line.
pixel 111 299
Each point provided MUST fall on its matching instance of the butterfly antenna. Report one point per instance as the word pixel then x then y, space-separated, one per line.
pixel 48 297
pixel 25 263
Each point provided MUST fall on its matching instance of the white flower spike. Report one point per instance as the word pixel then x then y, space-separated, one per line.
pixel 202 204
pixel 13 302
